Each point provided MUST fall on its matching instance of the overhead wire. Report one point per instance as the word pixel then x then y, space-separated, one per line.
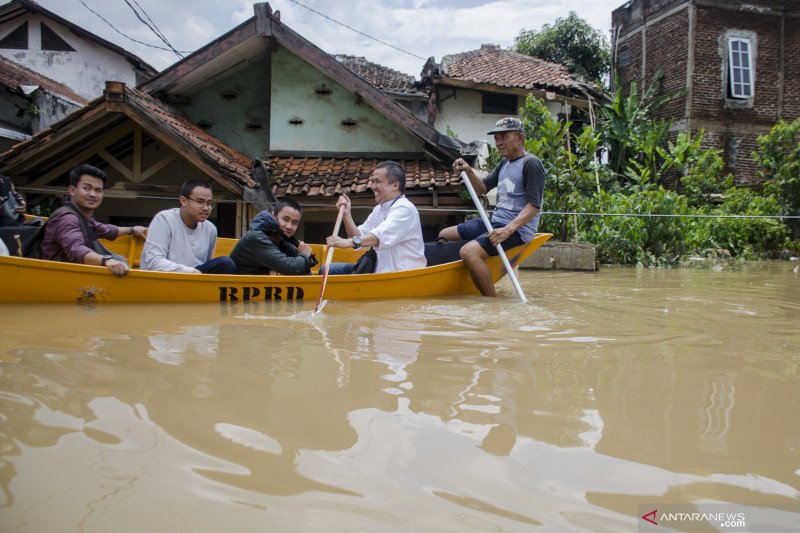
pixel 128 36
pixel 151 25
pixel 357 31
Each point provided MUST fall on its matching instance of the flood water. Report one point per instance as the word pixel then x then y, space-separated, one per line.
pixel 605 392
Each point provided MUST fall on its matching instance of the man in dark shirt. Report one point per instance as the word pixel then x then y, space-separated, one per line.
pixel 270 247
pixel 71 233
pixel 519 178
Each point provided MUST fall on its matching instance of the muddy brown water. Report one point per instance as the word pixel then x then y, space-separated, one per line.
pixel 607 391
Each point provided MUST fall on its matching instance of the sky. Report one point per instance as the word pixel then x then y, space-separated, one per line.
pixel 423 28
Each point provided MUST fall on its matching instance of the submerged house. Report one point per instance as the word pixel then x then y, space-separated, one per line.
pixel 260 92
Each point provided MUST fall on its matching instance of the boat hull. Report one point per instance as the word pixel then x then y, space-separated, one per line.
pixel 32 280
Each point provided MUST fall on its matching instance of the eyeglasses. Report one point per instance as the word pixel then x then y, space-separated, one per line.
pixel 202 203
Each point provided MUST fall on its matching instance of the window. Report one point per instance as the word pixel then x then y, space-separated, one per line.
pixel 51 41
pixel 740 71
pixel 499 104
pixel 17 39
pixel 624 58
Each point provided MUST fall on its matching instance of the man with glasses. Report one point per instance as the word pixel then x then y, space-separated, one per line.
pixel 182 239
pixel 393 228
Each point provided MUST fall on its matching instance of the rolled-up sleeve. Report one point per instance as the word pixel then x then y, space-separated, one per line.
pixel 69 235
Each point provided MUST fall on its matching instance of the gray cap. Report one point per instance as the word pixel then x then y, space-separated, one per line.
pixel 508 124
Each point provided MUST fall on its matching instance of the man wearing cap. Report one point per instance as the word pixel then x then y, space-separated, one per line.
pixel 519 178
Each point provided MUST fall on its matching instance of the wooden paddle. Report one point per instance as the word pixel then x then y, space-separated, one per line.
pixel 488 225
pixel 328 259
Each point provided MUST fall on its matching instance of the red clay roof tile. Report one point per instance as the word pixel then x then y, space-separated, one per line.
pixel 326 176
pixel 383 78
pixel 491 64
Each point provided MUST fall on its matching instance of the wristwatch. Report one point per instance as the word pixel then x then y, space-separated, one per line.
pixel 356 242
pixel 105 258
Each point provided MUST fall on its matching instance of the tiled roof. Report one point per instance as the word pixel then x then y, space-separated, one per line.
pixel 327 176
pixel 505 68
pixel 378 76
pixel 225 158
pixel 152 116
pixel 12 75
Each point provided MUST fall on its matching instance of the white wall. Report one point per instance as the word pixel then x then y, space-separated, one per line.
pixel 85 71
pixel 462 114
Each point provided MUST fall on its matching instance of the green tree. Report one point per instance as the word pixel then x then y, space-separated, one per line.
pixel 571 42
pixel 778 160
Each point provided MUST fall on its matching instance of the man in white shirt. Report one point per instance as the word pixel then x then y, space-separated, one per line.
pixel 393 228
pixel 183 239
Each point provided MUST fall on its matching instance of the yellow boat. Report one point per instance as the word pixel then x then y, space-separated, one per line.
pixel 34 280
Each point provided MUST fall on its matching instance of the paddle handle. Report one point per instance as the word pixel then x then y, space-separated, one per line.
pixel 488 225
pixel 329 258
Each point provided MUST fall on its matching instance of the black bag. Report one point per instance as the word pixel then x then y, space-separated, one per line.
pixel 367 263
pixel 437 253
pixel 30 240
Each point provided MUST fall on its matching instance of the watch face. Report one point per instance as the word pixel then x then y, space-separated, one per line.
pixel 356 242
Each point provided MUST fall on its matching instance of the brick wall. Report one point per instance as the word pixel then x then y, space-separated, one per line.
pixel 710 99
pixel 731 125
pixel 668 49
pixel 791 84
pixel 631 71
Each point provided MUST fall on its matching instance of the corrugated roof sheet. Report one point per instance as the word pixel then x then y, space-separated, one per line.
pixel 327 176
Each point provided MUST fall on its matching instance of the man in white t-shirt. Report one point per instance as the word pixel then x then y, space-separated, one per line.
pixel 393 228
pixel 182 239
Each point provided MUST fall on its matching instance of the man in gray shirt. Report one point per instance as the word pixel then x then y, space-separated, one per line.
pixel 183 239
pixel 519 178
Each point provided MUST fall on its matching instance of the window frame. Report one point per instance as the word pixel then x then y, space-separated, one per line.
pixel 493 108
pixel 740 90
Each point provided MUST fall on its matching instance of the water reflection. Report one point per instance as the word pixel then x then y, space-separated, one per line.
pixel 606 392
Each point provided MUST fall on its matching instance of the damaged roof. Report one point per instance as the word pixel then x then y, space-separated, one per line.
pixel 14 76
pixel 379 76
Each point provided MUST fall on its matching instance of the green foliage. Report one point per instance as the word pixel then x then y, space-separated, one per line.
pixel 571 42
pixel 743 237
pixel 628 128
pixel 631 239
pixel 570 174
pixel 574 183
pixel 778 159
pixel 493 159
